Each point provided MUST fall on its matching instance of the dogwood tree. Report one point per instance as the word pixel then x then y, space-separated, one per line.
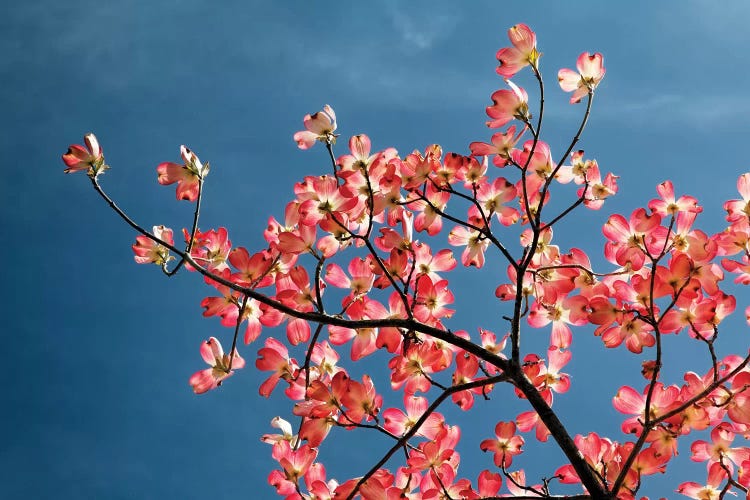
pixel 362 262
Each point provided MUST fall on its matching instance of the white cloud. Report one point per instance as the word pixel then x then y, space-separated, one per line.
pixel 421 32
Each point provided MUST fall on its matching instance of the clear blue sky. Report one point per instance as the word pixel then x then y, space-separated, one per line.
pixel 98 350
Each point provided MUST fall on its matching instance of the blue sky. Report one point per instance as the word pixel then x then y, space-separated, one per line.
pixel 99 350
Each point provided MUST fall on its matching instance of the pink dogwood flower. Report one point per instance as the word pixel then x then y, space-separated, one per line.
pixel 320 127
pixel 222 366
pixel 505 445
pixel 523 52
pixel 90 158
pixel 590 73
pixel 148 251
pixel 187 176
pixel 508 105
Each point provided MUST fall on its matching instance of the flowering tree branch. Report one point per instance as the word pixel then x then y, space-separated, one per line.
pixel 395 298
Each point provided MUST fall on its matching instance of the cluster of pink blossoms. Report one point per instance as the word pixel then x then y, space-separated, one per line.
pixel 394 295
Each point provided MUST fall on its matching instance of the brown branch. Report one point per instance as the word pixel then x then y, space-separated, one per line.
pixel 675 411
pixel 560 434
pixel 418 424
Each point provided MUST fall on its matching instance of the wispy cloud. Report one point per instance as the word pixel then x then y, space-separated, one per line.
pixel 404 83
pixel 408 67
pixel 421 31
pixel 700 110
pixel 396 62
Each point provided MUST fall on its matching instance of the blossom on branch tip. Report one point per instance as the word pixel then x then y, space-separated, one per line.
pixel 523 52
pixel 148 251
pixel 669 205
pixel 360 156
pixel 187 176
pixel 597 189
pixel 590 73
pixel 501 147
pixel 740 209
pixel 210 249
pixel 320 127
pixel 398 422
pixel 274 357
pixel 294 464
pixel 475 243
pixel 222 366
pixel 90 158
pixel 505 445
pixel 508 105
pixel 286 432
